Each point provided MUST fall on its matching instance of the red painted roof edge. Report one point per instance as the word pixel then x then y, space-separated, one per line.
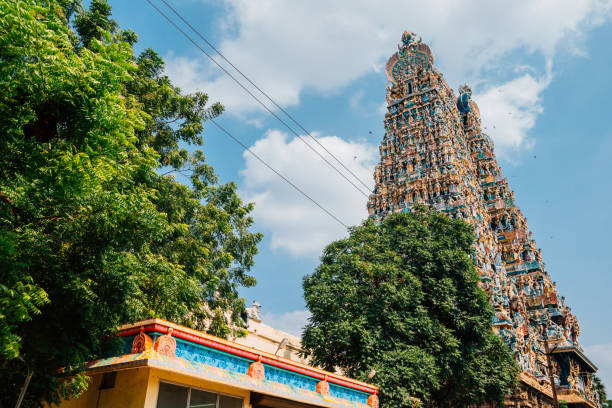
pixel 198 337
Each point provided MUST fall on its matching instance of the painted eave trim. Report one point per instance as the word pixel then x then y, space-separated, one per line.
pixel 185 333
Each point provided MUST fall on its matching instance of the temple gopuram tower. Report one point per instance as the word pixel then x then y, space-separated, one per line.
pixel 434 153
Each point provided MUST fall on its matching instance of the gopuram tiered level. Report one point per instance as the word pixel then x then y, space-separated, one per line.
pixel 435 153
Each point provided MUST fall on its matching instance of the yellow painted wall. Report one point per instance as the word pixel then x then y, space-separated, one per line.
pixel 130 391
pixel 138 387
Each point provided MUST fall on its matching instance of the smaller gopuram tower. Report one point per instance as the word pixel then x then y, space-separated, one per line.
pixel 435 153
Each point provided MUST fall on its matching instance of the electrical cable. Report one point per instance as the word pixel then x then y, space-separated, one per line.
pixel 253 96
pixel 263 92
pixel 245 147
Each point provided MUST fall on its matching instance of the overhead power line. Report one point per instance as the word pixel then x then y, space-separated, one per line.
pixel 285 179
pixel 256 98
pixel 197 32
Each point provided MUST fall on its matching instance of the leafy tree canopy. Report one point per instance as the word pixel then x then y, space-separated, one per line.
pixel 600 388
pixel 95 230
pixel 401 297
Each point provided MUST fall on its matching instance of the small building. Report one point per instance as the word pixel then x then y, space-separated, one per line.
pixel 165 365
pixel 269 339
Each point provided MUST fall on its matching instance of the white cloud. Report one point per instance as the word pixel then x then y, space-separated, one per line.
pixel 510 110
pixel 355 100
pixel 286 47
pixel 289 322
pixel 294 223
pixel 601 356
pixel 258 122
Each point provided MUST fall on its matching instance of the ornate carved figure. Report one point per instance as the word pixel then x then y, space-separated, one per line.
pixel 373 401
pixel 166 344
pixel 323 387
pixel 254 312
pixel 142 342
pixel 257 370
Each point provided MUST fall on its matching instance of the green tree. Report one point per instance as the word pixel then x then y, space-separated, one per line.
pixel 95 229
pixel 600 388
pixel 401 297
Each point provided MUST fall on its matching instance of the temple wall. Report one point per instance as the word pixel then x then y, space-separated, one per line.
pixel 435 153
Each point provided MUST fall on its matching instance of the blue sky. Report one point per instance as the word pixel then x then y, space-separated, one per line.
pixel 541 77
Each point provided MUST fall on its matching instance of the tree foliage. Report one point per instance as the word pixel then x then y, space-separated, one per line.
pixel 402 297
pixel 600 388
pixel 95 230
